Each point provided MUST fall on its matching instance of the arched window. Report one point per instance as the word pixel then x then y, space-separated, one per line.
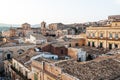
pixel 8 54
pixel 20 51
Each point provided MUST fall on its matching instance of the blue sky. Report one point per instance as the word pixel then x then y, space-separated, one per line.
pixel 53 11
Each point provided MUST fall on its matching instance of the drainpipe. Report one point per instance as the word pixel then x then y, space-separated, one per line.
pixel 106 38
pixel 43 65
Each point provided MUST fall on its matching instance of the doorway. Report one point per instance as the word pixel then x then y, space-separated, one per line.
pixel 88 43
pixel 79 59
pixel 76 44
pixel 110 46
pixel 101 45
pixel 8 56
pixel 116 46
pixel 93 44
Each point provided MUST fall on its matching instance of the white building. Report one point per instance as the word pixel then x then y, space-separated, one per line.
pixel 77 54
pixel 81 55
pixel 36 39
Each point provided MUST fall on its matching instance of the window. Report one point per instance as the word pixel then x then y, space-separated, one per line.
pixel 88 34
pixel 101 45
pixel 116 46
pixel 110 46
pixel 110 35
pixel 69 45
pixel 88 43
pixel 101 35
pixel 20 51
pixel 116 36
pixel 35 76
pixel 26 74
pixel 93 35
pixel 76 44
pixel 53 57
pixel 62 51
pixel 83 44
pixel 93 44
pixel 15 65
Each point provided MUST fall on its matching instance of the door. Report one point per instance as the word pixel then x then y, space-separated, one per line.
pixel 79 59
pixel 116 46
pixel 76 44
pixel 8 56
pixel 101 45
pixel 88 43
pixel 110 46
pixel 93 44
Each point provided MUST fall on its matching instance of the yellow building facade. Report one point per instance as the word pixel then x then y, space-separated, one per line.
pixel 104 37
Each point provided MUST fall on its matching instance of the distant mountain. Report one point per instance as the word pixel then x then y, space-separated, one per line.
pixel 16 25
pixel 4 28
pixel 9 25
pixel 36 25
pixel 4 25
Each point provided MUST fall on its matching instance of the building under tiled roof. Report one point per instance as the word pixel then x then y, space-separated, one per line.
pixel 99 69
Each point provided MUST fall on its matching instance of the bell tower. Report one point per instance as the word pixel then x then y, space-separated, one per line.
pixel 43 25
pixel 43 28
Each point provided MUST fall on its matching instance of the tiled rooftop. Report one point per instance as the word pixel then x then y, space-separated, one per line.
pixel 25 57
pixel 99 69
pixel 40 59
pixel 14 44
pixel 39 36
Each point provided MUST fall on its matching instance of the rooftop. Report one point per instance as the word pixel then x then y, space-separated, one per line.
pixel 39 36
pixel 26 57
pixel 106 68
pixel 11 44
pixel 41 59
pixel 59 44
pixel 91 50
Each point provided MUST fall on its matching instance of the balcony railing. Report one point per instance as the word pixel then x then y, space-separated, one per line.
pixel 19 73
pixel 104 38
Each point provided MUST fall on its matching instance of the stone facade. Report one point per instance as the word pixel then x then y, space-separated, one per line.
pixel 43 28
pixel 77 42
pixel 77 54
pixel 58 50
pixel 14 51
pixel 56 26
pixel 47 71
pixel 25 30
pixel 114 17
pixel 26 26
pixel 104 37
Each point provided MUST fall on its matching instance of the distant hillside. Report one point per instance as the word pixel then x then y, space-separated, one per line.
pixel 36 25
pixel 4 28
pixel 16 25
pixel 4 25
pixel 9 25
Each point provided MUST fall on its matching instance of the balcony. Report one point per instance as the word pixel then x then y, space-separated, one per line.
pixel 19 73
pixel 104 38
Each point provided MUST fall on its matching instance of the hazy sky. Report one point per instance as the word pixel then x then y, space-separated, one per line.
pixel 52 11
